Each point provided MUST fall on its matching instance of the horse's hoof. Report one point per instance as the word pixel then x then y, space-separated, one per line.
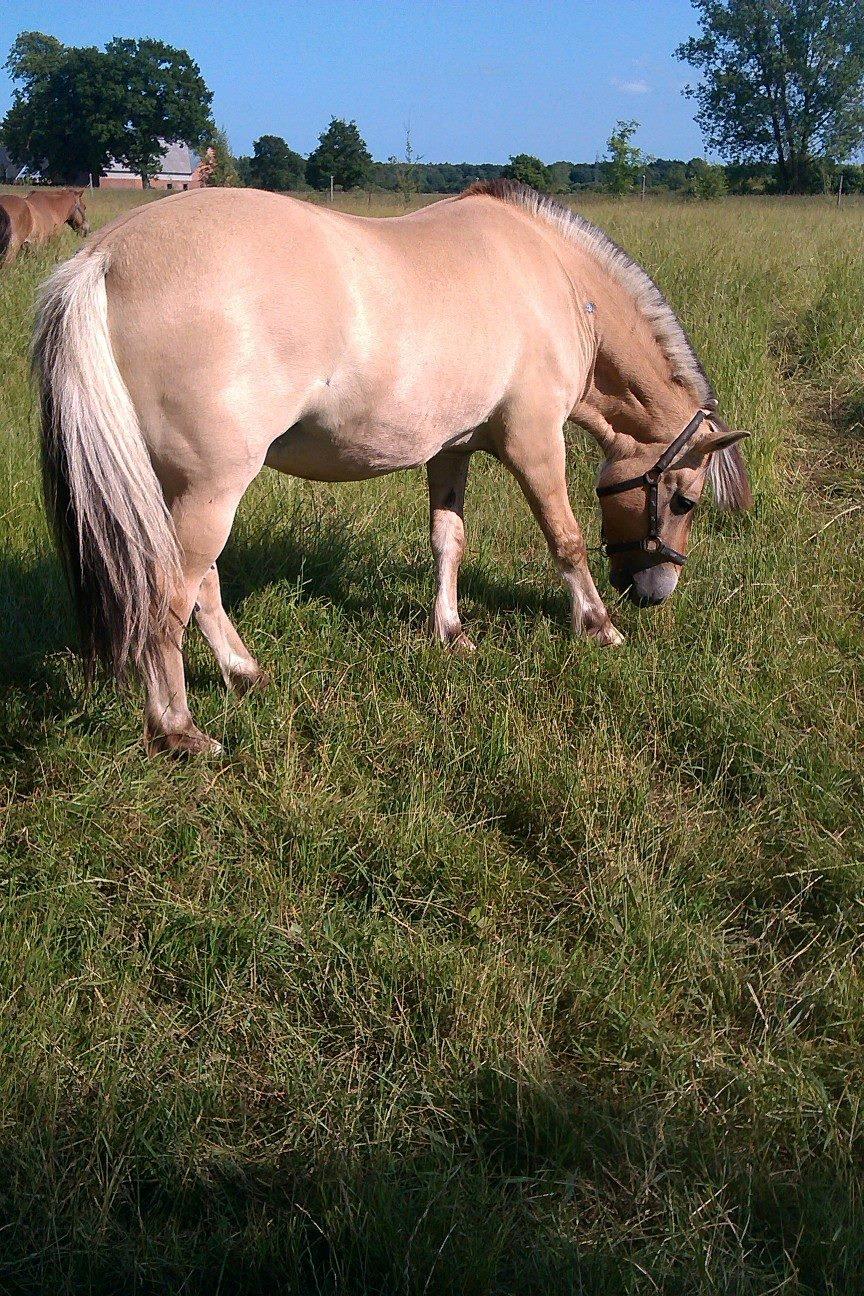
pixel 462 646
pixel 183 745
pixel 608 637
pixel 243 682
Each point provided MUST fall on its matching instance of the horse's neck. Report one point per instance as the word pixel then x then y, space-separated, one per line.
pixel 55 207
pixel 632 384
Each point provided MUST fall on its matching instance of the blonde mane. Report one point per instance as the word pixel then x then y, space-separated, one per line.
pixel 668 330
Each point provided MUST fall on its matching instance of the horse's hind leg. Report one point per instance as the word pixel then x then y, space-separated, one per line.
pixel 239 668
pixel 447 474
pixel 13 248
pixel 202 517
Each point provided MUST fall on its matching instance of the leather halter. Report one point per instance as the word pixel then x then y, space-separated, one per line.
pixel 650 481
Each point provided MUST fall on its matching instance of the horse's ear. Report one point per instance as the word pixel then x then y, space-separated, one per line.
pixel 724 440
pixel 718 435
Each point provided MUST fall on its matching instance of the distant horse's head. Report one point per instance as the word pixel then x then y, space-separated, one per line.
pixel 648 496
pixel 77 217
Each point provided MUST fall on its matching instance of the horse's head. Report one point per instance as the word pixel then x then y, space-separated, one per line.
pixel 648 497
pixel 77 217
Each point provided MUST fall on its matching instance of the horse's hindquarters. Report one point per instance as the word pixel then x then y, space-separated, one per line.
pixel 19 231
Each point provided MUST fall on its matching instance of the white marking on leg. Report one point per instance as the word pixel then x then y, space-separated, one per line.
pixel 590 617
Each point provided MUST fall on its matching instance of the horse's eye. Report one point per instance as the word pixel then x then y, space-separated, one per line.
pixel 682 503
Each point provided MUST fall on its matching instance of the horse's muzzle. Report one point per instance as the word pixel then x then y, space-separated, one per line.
pixel 647 586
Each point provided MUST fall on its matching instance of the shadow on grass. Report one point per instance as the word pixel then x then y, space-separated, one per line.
pixel 353 569
pixel 344 566
pixel 539 1189
pixel 35 615
pixel 35 628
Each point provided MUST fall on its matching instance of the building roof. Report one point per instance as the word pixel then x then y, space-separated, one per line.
pixel 177 160
pixel 8 169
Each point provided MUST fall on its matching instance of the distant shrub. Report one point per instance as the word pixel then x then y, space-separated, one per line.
pixel 529 170
pixel 704 180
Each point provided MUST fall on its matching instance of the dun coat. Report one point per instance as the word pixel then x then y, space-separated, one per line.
pixel 335 347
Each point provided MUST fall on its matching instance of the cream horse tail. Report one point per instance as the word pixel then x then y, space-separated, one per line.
pixel 103 499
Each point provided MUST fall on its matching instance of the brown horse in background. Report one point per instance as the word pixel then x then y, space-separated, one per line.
pixel 29 221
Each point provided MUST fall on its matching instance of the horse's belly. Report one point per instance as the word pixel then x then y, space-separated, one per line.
pixel 326 454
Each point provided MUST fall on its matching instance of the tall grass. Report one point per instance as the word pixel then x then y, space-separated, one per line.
pixel 536 972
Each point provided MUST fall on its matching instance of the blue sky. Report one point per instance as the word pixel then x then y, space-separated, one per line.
pixel 477 81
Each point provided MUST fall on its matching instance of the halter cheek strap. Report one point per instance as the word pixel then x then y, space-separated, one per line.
pixel 650 482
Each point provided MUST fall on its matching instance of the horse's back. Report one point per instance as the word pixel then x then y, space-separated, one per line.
pixel 17 206
pixel 427 281
pixel 242 264
pixel 393 333
pixel 217 230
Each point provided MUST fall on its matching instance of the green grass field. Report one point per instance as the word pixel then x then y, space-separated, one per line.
pixel 538 972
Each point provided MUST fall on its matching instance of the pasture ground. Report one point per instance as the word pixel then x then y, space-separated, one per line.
pixel 538 972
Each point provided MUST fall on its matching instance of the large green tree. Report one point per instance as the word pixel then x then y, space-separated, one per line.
pixel 784 81
pixel 65 109
pixel 559 176
pixel 75 108
pixel 704 180
pixel 167 100
pixel 342 154
pixel 276 166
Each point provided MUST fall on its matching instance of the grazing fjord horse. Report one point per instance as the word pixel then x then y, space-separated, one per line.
pixel 336 348
pixel 26 222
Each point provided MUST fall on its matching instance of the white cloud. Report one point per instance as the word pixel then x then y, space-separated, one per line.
pixel 632 87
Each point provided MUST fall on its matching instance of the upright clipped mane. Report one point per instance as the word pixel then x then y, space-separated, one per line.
pixel 667 328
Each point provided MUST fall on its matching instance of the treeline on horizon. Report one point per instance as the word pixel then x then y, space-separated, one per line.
pixel 342 160
pixel 671 175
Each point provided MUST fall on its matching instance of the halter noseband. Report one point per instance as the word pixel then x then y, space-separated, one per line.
pixel 650 480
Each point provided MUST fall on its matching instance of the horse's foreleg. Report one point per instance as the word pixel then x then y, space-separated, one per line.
pixel 202 521
pixel 535 454
pixel 447 474
pixel 239 668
